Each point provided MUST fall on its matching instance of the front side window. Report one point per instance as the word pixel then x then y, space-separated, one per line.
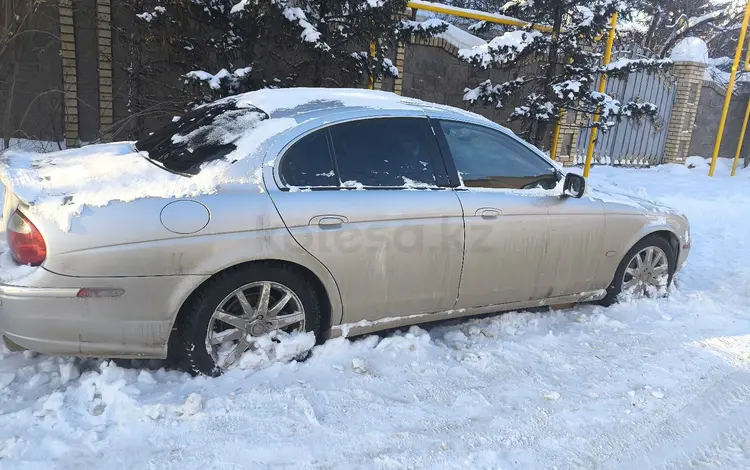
pixel 308 162
pixel 385 152
pixel 486 158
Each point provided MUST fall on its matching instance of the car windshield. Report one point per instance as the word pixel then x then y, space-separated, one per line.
pixel 204 134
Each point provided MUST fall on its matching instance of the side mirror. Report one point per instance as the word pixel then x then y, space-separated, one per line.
pixel 574 185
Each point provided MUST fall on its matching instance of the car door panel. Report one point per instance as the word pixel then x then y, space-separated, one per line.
pixel 504 252
pixel 396 253
pixel 575 246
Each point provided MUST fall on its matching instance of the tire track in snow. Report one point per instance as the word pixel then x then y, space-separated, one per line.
pixel 711 431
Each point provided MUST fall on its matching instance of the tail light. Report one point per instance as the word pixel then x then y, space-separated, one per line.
pixel 27 245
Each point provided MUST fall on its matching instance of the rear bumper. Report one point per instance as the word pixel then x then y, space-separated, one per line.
pixel 52 319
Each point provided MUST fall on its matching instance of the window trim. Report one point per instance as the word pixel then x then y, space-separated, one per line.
pixel 442 180
pixel 451 162
pixel 281 181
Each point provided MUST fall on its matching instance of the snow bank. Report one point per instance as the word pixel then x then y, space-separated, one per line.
pixel 690 49
pixel 644 384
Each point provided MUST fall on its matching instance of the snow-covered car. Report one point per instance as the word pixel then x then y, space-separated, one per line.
pixel 331 211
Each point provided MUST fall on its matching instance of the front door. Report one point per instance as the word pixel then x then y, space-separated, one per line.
pixel 506 214
pixel 363 197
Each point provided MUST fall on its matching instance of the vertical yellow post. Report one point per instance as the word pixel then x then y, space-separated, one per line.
pixel 371 84
pixel 555 138
pixel 742 139
pixel 730 89
pixel 602 85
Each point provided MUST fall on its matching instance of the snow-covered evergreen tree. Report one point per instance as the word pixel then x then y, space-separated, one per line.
pixel 569 65
pixel 232 46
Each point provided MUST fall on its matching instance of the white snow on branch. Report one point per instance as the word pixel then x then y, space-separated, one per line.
pixel 633 65
pixel 568 88
pixel 152 15
pixel 423 26
pixel 387 64
pixel 214 81
pixel 239 6
pixel 587 16
pixel 500 50
pixel 309 32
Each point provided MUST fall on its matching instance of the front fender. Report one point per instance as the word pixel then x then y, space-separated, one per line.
pixel 625 230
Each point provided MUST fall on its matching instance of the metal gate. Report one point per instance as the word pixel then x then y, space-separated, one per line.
pixel 634 142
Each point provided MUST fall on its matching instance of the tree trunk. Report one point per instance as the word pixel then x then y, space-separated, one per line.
pixel 323 28
pixel 541 130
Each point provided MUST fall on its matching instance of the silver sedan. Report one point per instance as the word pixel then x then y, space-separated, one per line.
pixel 350 212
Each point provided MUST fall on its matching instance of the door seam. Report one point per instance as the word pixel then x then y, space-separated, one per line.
pixel 463 251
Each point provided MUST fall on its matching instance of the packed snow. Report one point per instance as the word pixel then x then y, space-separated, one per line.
pixel 690 49
pixel 643 384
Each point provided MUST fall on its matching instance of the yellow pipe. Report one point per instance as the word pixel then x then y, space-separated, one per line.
pixel 742 139
pixel 474 15
pixel 602 85
pixel 555 137
pixel 747 57
pixel 730 89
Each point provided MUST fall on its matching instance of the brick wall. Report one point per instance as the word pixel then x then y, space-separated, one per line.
pixel 432 72
pixel 31 80
pixel 707 122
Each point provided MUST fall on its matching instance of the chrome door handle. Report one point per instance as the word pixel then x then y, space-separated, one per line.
pixel 487 213
pixel 331 221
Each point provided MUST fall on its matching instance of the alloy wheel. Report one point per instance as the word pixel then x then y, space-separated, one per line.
pixel 248 312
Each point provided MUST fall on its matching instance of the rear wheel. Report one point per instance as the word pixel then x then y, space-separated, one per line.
pixel 645 271
pixel 220 323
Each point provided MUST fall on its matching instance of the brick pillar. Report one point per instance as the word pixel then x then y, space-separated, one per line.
pixel 398 82
pixel 567 141
pixel 689 83
pixel 104 38
pixel 70 78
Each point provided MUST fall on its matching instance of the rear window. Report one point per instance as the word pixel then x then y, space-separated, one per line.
pixel 202 135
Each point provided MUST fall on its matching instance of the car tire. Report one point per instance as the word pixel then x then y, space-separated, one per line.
pixel 198 312
pixel 652 241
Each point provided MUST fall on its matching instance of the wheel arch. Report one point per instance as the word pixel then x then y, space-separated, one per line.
pixel 328 305
pixel 661 231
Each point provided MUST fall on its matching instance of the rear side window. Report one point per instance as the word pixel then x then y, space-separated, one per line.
pixel 385 152
pixel 308 162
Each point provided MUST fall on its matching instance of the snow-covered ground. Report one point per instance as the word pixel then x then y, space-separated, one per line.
pixel 646 384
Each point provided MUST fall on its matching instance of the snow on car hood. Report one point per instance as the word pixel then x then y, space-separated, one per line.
pixel 610 194
pixel 58 185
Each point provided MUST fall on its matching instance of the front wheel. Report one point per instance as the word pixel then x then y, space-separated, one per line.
pixel 223 319
pixel 645 271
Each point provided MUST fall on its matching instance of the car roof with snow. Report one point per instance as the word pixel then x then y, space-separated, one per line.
pixel 214 131
pixel 294 102
pixel 215 144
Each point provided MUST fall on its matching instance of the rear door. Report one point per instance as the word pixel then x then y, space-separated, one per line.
pixel 366 198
